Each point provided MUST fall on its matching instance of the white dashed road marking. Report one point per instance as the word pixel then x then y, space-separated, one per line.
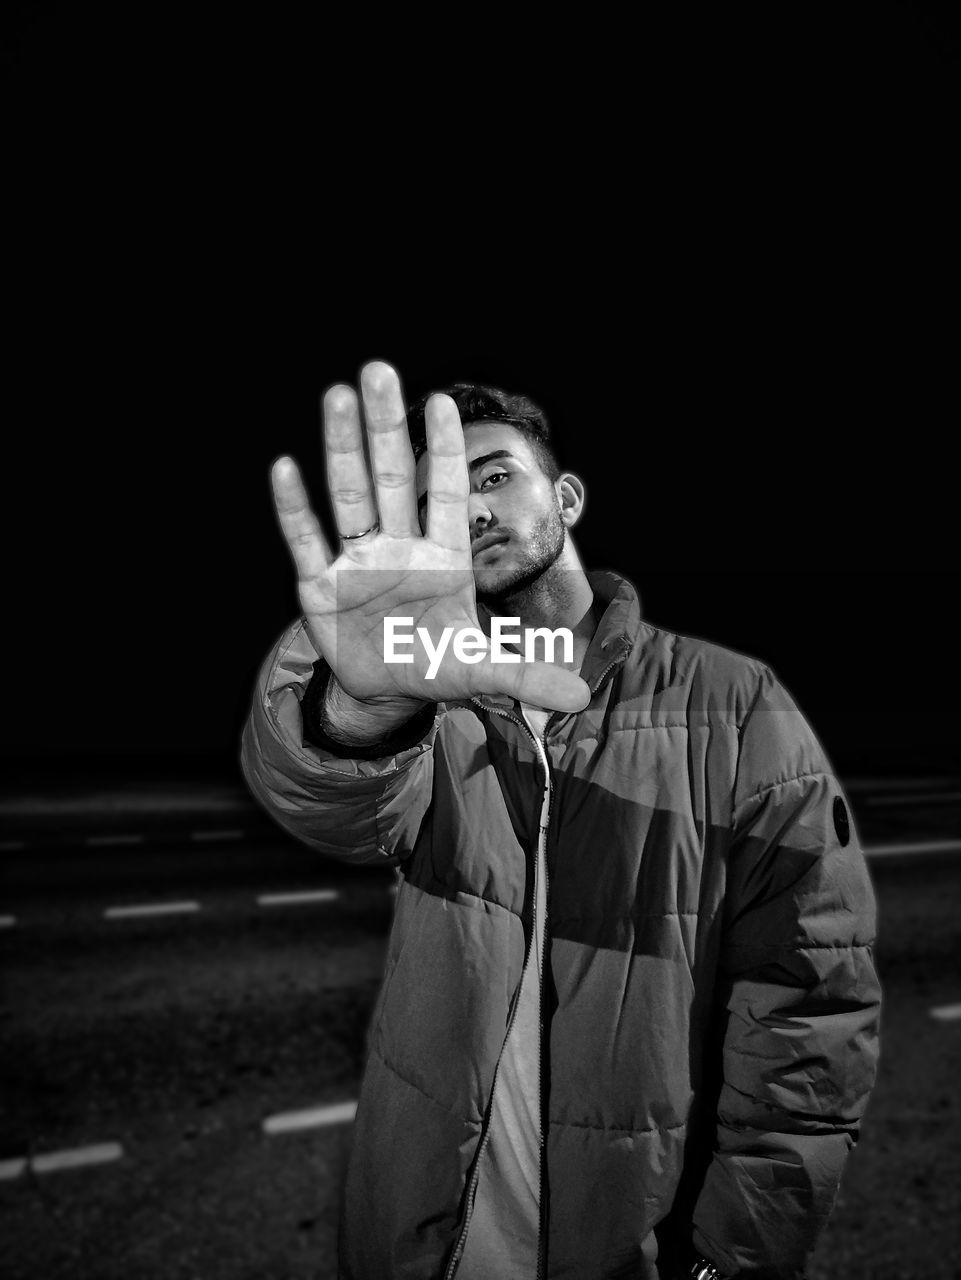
pixel 54 1161
pixel 10 846
pixel 304 896
pixel 201 836
pixel 946 1012
pixel 103 1153
pixel 150 909
pixel 314 1118
pixel 918 846
pixel 292 899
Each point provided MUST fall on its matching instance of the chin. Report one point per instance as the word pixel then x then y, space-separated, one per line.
pixel 495 583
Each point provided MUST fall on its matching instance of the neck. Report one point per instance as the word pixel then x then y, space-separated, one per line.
pixel 560 597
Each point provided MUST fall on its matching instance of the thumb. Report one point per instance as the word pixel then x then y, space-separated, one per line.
pixel 542 684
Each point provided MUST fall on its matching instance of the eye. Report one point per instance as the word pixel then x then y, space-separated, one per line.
pixel 493 475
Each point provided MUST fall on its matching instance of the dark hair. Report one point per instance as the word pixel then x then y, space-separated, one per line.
pixel 477 403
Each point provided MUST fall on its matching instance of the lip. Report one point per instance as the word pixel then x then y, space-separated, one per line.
pixel 487 540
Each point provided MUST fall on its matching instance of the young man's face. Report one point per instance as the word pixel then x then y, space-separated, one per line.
pixel 515 520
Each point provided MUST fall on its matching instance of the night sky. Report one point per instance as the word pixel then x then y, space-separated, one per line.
pixel 727 271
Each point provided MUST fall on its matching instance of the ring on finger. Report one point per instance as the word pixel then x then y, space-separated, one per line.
pixel 349 537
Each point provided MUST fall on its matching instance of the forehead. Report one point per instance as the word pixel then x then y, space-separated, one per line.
pixel 481 438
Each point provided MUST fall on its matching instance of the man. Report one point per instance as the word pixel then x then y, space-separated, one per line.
pixel 628 1020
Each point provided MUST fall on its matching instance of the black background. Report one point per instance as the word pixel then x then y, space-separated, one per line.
pixel 719 249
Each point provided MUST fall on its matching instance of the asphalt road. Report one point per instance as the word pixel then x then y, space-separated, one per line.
pixel 168 1052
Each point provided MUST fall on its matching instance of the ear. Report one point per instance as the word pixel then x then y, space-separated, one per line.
pixel 571 497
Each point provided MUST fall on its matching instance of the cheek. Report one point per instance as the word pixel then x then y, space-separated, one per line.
pixel 533 502
pixel 522 494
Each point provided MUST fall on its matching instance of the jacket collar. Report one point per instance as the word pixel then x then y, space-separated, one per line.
pixel 616 630
pixel 618 625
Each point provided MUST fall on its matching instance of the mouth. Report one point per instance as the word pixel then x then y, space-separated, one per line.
pixel 487 540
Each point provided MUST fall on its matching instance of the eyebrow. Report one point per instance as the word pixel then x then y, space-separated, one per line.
pixel 472 466
pixel 487 457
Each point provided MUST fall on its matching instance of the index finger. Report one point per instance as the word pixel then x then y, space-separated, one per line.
pixel 448 482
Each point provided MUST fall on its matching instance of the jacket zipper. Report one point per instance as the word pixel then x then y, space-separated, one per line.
pixel 485 1136
pixel 542 836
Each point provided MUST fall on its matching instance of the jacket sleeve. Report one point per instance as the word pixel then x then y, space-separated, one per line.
pixel 799 1002
pixel 357 810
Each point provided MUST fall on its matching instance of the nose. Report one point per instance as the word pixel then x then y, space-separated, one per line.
pixel 478 514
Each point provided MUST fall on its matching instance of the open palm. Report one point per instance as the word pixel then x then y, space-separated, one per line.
pixel 388 567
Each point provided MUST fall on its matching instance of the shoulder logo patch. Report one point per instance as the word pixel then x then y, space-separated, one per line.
pixel 841 824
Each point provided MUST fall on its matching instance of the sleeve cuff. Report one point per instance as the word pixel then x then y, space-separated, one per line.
pixel 404 737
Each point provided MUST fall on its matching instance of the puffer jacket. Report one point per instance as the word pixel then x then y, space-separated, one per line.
pixel 710 1005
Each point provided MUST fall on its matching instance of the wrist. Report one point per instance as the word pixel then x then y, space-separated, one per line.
pixel 362 721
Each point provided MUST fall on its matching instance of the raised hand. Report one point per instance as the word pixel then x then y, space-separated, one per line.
pixel 387 567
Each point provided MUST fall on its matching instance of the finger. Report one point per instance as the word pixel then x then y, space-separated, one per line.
pixel 300 526
pixel 348 479
pixel 541 684
pixel 391 455
pixel 448 484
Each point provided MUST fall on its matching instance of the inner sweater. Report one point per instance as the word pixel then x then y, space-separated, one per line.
pixel 502 1239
